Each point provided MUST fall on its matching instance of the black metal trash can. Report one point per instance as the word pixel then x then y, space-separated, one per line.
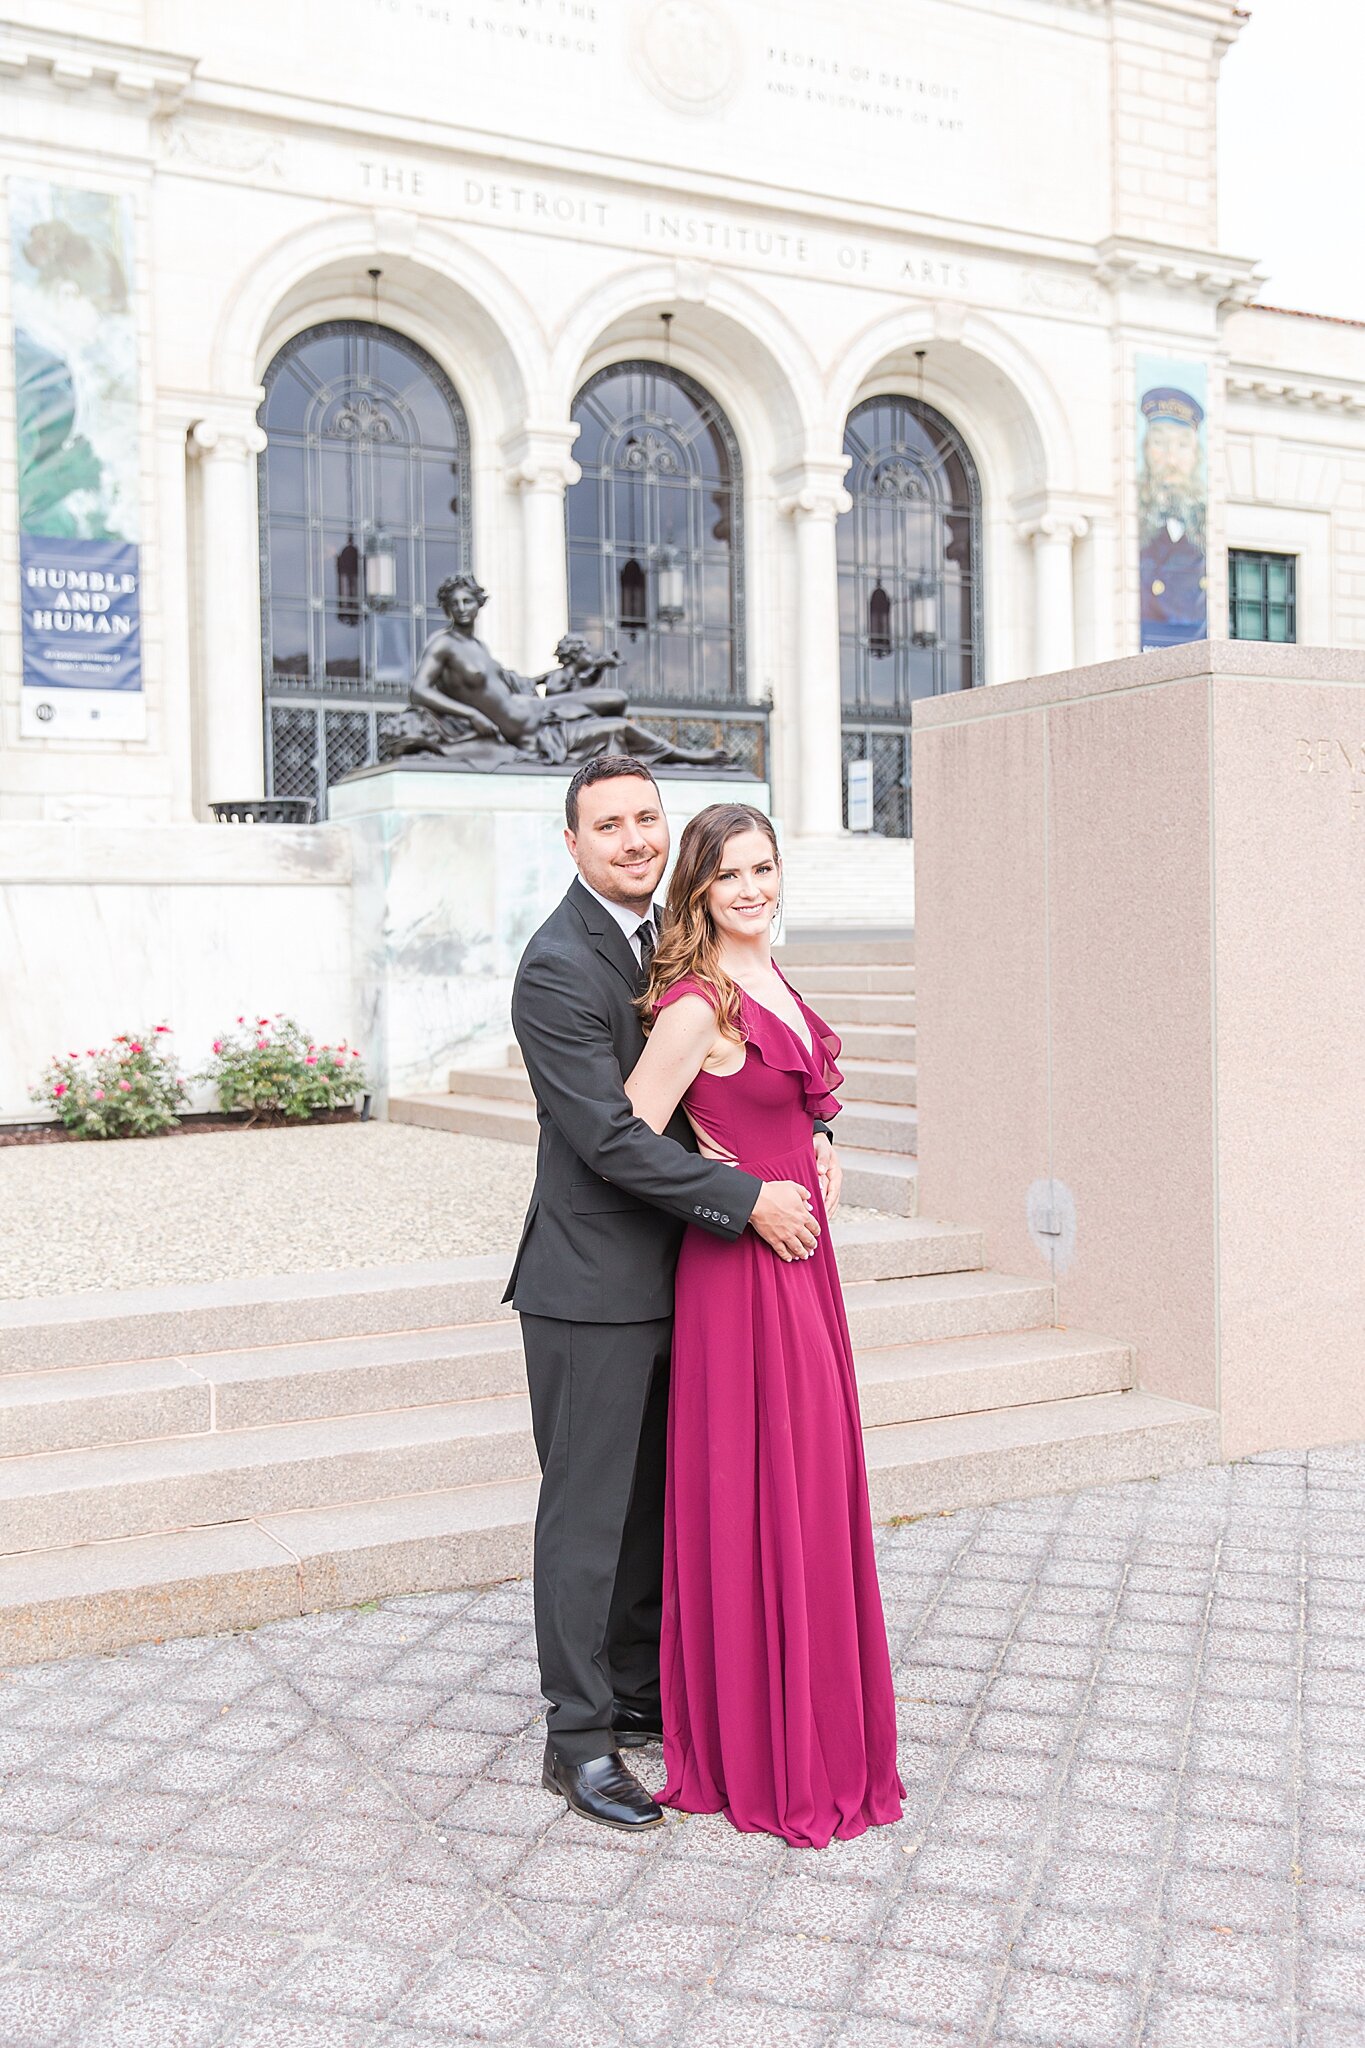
pixel 267 810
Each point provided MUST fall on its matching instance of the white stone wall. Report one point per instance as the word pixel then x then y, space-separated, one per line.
pixel 107 928
pixel 1021 188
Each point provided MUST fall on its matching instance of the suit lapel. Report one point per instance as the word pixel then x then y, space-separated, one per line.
pixel 608 937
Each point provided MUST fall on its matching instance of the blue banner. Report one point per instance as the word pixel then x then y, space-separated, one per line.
pixel 1173 500
pixel 82 626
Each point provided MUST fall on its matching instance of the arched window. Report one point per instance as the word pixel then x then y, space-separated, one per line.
pixel 909 585
pixel 654 534
pixel 364 497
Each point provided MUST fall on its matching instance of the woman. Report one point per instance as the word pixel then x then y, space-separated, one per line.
pixel 777 1695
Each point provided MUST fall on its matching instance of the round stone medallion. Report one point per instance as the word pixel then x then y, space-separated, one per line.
pixel 686 53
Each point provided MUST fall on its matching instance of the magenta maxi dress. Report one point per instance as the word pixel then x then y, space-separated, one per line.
pixel 778 1705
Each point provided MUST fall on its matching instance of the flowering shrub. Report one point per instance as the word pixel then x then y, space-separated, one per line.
pixel 268 1065
pixel 128 1089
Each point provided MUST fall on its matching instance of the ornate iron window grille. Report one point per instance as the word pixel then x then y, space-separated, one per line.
pixel 367 455
pixel 661 490
pixel 910 599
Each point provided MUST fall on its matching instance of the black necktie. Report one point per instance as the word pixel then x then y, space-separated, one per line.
pixel 645 934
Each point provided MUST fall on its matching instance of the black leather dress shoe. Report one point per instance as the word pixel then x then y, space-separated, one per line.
pixel 633 1727
pixel 602 1790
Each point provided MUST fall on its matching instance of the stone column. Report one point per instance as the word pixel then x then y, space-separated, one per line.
pixel 172 603
pixel 541 469
pixel 229 749
pixel 814 802
pixel 1054 605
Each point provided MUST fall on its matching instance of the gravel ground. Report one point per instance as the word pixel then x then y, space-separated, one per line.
pixel 227 1204
pixel 230 1204
pixel 1131 1731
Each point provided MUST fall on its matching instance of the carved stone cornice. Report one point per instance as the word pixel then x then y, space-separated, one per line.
pixel 1272 390
pixel 1228 280
pixel 79 63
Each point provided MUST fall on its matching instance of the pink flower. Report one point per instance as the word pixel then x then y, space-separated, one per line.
pixel 73 1055
pixel 60 1088
pixel 263 1023
pixel 126 1086
pixel 262 1045
pixel 99 1095
pixel 163 1027
pixel 241 1020
pixel 338 1061
pixel 180 1080
pixel 135 1047
pixel 218 1045
pixel 311 1060
pixel 90 1052
pixel 355 1055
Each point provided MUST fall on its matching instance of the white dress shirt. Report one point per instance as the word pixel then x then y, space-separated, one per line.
pixel 628 919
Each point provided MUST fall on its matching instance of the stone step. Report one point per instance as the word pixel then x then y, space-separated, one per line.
pixel 918 1468
pixel 879 1080
pixel 878 1126
pixel 816 981
pixel 94 1597
pixel 475 1115
pixel 965 1375
pixel 876 1042
pixel 509 1084
pixel 89 1496
pixel 879 1180
pixel 235 1315
pixel 93 1494
pixel 939 1305
pixel 839 1009
pixel 120 1403
pixel 851 952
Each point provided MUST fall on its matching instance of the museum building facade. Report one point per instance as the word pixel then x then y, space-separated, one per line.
pixel 816 358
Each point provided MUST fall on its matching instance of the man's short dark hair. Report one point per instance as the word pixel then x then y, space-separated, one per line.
pixel 602 768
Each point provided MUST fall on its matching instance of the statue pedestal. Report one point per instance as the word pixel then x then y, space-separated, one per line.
pixel 452 874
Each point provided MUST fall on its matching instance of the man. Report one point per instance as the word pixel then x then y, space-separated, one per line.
pixel 593 1284
pixel 466 705
pixel 1172 511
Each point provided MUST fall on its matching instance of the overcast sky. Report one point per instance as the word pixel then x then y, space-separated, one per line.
pixel 1292 152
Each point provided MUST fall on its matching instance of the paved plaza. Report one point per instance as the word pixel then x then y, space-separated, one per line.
pixel 1133 1738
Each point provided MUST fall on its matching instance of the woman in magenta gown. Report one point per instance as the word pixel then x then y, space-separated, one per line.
pixel 777 1696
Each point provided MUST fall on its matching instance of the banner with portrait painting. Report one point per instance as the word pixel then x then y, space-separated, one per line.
pixel 1173 500
pixel 76 389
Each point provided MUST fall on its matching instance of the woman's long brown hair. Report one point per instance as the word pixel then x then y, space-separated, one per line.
pixel 688 945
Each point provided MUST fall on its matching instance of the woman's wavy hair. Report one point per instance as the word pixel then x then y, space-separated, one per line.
pixel 688 944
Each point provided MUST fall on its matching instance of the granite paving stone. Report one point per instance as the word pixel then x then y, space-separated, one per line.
pixel 1123 1829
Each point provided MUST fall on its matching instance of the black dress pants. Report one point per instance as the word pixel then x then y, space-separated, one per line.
pixel 599 1407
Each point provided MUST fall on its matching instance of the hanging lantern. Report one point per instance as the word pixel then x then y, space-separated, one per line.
pixel 381 569
pixel 671 588
pixel 924 614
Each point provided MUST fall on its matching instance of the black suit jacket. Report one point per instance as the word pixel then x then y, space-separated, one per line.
pixel 611 1196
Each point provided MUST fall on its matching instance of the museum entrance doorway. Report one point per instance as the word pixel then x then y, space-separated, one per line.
pixel 364 510
pixel 909 552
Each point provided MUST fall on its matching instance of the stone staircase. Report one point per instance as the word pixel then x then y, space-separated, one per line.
pixel 194 1458
pixel 864 988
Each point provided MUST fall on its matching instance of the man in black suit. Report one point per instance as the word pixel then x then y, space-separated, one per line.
pixel 593 1284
